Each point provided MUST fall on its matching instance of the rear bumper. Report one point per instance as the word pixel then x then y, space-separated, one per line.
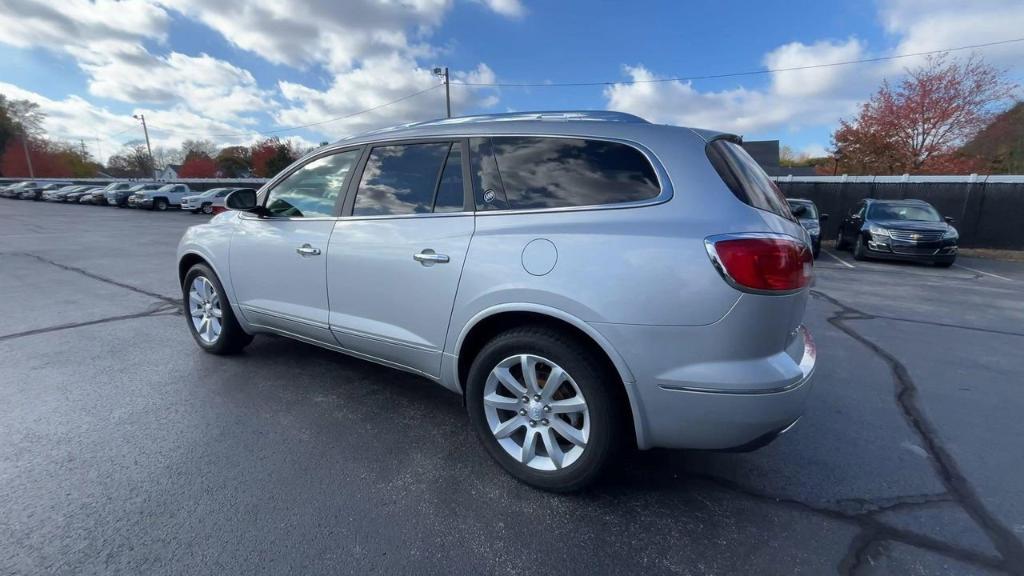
pixel 705 387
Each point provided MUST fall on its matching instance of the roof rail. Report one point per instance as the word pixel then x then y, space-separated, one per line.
pixel 550 116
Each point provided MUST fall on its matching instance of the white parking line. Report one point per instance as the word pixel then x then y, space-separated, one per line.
pixel 841 261
pixel 983 272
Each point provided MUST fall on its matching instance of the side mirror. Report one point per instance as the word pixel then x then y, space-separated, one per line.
pixel 822 217
pixel 949 219
pixel 243 199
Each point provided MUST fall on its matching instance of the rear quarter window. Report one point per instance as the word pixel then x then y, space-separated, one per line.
pixel 746 179
pixel 540 172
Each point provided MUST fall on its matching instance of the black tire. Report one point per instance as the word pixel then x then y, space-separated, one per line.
pixel 607 430
pixel 207 208
pixel 160 204
pixel 858 249
pixel 232 338
pixel 944 263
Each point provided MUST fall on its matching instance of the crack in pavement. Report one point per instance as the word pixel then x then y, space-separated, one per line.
pixel 158 310
pixel 871 528
pixel 94 276
pixel 1010 548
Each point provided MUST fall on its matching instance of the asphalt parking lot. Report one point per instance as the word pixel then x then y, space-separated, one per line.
pixel 126 450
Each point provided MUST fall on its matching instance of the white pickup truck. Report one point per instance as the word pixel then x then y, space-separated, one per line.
pixel 161 198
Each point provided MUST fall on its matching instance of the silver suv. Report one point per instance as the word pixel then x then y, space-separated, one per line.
pixel 586 280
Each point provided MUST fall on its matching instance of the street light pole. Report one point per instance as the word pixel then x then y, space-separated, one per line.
pixel 443 73
pixel 152 166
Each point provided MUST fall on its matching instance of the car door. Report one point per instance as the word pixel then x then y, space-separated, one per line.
pixel 396 255
pixel 278 261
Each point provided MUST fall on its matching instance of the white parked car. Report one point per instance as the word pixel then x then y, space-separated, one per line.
pixel 586 280
pixel 160 199
pixel 206 201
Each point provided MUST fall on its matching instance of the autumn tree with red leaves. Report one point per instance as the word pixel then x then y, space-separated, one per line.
pixel 198 165
pixel 917 127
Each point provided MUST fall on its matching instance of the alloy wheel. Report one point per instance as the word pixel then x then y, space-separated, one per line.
pixel 536 412
pixel 204 307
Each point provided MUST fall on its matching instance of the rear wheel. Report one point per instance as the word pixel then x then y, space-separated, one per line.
pixel 544 409
pixel 210 318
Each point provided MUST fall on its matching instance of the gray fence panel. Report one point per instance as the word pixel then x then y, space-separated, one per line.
pixel 998 221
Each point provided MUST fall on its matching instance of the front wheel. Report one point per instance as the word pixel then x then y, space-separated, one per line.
pixel 160 204
pixel 858 249
pixel 210 319
pixel 544 409
pixel 207 208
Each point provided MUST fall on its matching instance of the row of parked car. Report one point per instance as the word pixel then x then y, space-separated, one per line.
pixel 911 230
pixel 151 195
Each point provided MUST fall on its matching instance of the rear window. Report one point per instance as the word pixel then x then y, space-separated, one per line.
pixel 746 179
pixel 528 172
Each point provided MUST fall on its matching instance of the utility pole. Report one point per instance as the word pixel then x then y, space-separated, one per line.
pixel 152 165
pixel 443 73
pixel 84 153
pixel 24 145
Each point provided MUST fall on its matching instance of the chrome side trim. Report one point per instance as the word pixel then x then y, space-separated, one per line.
pixel 382 339
pixel 716 260
pixel 288 317
pixel 346 351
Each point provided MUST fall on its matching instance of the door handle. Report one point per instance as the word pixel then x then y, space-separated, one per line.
pixel 307 250
pixel 428 258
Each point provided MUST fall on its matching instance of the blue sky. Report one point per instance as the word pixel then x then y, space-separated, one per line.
pixel 229 71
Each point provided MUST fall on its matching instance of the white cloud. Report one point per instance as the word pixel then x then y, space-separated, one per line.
pixel 809 97
pixel 105 39
pixel 507 8
pixel 926 25
pixel 378 81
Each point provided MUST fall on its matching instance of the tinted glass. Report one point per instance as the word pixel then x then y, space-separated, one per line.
pixel 450 195
pixel 903 212
pixel 313 189
pixel 565 172
pixel 805 210
pixel 487 188
pixel 746 179
pixel 400 179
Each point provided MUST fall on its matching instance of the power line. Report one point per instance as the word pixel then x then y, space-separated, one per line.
pixel 734 74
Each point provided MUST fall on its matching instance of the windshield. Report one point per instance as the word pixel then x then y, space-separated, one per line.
pixel 210 192
pixel 166 188
pixel 809 209
pixel 921 213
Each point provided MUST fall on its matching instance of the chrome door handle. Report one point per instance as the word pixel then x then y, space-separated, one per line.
pixel 428 258
pixel 307 250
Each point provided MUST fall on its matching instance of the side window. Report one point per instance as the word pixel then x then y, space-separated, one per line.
pixel 400 179
pixel 450 196
pixel 313 189
pixel 746 178
pixel 488 192
pixel 569 172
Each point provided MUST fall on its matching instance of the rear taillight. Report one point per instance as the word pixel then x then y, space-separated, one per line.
pixel 764 263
